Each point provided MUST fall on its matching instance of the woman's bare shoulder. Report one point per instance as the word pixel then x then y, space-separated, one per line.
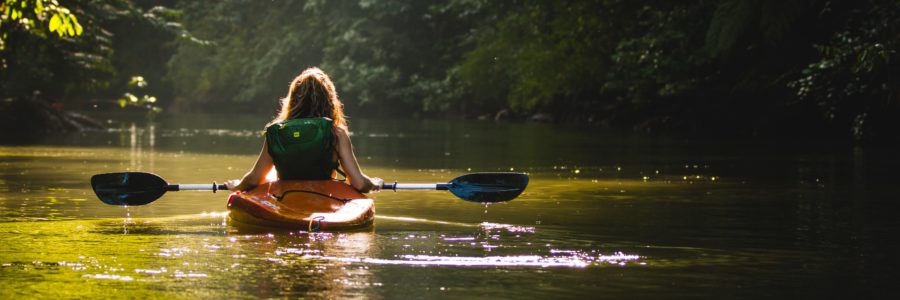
pixel 342 132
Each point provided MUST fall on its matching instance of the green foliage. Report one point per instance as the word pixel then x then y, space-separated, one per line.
pixel 623 63
pixel 378 60
pixel 138 83
pixel 758 65
pixel 738 24
pixel 77 52
pixel 536 55
pixel 48 59
pixel 854 84
pixel 369 48
pixel 249 58
pixel 26 15
pixel 660 58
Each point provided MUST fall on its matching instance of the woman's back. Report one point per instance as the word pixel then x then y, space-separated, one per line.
pixel 302 149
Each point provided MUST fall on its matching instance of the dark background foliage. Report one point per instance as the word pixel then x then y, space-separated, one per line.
pixel 735 67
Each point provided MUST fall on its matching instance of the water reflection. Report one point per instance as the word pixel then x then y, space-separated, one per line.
pixel 139 152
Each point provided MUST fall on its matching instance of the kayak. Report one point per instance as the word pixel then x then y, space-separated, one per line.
pixel 315 205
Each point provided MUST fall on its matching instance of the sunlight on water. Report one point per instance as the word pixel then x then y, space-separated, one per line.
pixel 442 243
pixel 576 261
pixel 507 227
pixel 421 220
pixel 151 131
pixel 151 271
pixel 108 277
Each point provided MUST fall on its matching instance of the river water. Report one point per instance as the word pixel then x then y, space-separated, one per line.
pixel 604 216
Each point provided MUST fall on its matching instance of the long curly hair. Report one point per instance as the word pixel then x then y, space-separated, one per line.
pixel 311 95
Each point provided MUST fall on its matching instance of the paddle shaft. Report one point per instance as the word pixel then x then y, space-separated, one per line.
pixel 195 187
pixel 387 186
pixel 416 186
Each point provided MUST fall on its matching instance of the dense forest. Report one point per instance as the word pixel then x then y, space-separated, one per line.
pixel 738 67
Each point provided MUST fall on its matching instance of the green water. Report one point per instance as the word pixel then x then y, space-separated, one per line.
pixel 605 215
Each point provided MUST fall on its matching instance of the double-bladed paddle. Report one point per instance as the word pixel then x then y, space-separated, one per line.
pixel 474 187
pixel 139 188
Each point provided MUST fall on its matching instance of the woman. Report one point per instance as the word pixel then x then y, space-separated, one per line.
pixel 308 138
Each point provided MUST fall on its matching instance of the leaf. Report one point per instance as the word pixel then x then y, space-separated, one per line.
pixel 78 29
pixel 132 98
pixel 137 81
pixel 75 25
pixel 54 22
pixel 122 103
pixel 38 7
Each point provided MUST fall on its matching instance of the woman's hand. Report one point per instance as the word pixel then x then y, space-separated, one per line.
pixel 232 184
pixel 376 184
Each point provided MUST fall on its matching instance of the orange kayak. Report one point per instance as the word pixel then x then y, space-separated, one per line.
pixel 321 205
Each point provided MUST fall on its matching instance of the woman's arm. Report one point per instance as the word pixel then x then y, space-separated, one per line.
pixel 357 179
pixel 256 175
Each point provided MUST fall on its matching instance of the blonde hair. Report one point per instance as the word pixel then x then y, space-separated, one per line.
pixel 311 95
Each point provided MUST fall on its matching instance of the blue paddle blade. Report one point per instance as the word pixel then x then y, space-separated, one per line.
pixel 488 187
pixel 128 188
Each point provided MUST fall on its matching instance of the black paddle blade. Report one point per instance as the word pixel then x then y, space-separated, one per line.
pixel 128 188
pixel 489 187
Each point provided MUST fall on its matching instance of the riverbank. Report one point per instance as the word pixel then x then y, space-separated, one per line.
pixel 30 119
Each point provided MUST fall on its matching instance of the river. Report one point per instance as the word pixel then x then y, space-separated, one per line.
pixel 605 215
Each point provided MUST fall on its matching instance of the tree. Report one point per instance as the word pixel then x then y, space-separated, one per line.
pixel 69 53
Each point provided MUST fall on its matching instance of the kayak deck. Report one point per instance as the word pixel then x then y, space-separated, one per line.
pixel 316 205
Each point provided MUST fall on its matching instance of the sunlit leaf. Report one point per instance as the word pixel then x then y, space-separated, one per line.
pixel 122 103
pixel 137 81
pixel 74 25
pixel 54 22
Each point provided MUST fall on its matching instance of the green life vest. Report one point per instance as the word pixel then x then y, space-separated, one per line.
pixel 302 149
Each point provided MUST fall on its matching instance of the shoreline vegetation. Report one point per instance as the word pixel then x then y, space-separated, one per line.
pixel 29 119
pixel 733 68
